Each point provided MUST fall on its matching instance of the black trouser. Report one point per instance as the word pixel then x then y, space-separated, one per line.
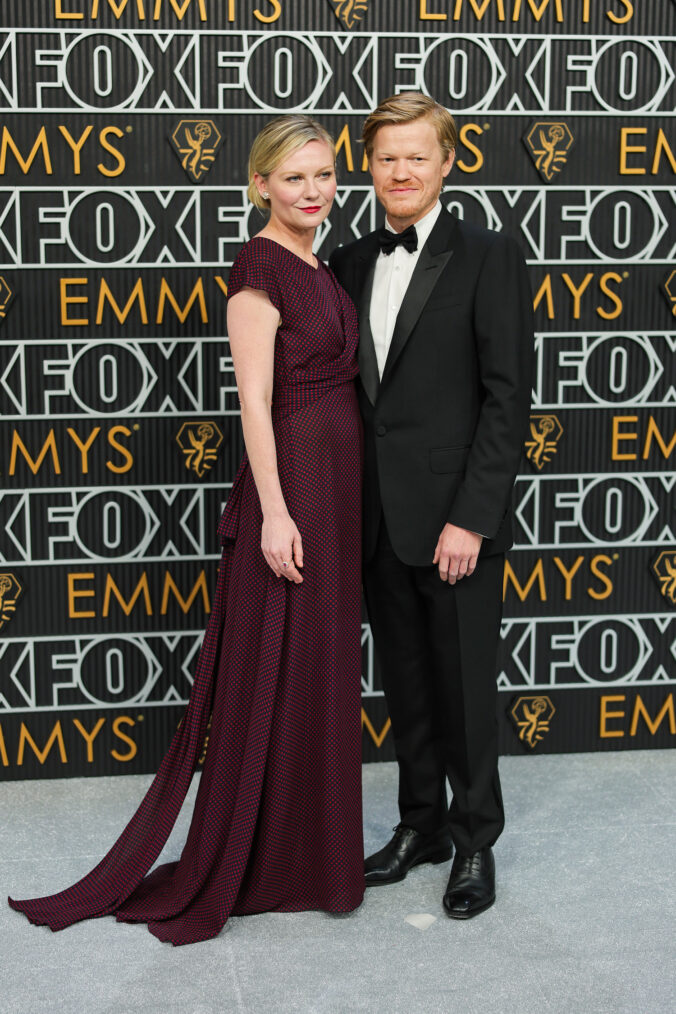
pixel 437 646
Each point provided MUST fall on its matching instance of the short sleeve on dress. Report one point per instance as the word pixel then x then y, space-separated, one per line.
pixel 257 267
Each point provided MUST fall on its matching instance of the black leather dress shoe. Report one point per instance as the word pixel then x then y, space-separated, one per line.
pixel 406 848
pixel 471 885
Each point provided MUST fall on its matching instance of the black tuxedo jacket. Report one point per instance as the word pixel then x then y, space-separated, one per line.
pixel 444 427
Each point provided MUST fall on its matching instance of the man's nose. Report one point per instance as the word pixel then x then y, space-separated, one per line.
pixel 400 169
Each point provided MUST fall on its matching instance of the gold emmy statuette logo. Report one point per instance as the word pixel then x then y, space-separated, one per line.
pixel 196 143
pixel 5 297
pixel 531 716
pixel 546 431
pixel 664 569
pixel 669 288
pixel 350 12
pixel 549 145
pixel 199 441
pixel 10 589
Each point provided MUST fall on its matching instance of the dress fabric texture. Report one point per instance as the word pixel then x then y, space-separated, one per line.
pixel 277 824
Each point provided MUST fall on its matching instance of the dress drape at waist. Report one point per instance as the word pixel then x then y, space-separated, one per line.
pixel 287 400
pixel 290 398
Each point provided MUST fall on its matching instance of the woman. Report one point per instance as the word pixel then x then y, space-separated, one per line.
pixel 277 820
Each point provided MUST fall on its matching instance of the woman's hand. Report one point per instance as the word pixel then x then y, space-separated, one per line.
pixel 282 547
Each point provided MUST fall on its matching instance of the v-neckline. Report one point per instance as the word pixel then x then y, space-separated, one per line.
pixel 312 267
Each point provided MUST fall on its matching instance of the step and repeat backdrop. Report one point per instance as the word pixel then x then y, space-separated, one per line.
pixel 124 132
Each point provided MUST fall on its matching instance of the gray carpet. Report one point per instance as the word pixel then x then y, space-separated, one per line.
pixel 584 922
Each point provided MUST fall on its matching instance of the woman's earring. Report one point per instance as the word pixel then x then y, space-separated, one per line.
pixel 266 196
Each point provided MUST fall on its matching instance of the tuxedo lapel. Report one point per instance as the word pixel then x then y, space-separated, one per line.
pixel 368 363
pixel 433 258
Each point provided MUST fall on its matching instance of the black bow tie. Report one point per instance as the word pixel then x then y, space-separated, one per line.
pixel 390 240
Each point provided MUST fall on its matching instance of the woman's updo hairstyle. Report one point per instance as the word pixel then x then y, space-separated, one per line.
pixel 276 141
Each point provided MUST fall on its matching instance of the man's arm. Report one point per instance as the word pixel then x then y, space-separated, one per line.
pixel 503 327
pixel 503 324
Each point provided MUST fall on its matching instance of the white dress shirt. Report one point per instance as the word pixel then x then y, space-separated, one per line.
pixel 391 280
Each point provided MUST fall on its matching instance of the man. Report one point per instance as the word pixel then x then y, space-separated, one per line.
pixel 445 356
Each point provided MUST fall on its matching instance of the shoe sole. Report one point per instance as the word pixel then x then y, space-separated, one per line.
pixel 434 859
pixel 469 915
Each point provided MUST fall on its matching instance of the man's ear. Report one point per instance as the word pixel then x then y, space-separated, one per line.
pixel 448 164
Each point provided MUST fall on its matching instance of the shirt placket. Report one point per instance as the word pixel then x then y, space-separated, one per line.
pixel 395 295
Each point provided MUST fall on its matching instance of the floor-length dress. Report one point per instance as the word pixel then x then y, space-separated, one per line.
pixel 277 823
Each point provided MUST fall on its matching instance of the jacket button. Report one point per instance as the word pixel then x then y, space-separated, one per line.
pixel 381 430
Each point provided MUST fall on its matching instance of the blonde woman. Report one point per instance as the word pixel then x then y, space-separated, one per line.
pixel 277 820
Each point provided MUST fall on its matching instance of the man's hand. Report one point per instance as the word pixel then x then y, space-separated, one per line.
pixel 456 553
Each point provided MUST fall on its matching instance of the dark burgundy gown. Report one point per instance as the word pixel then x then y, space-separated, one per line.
pixel 277 824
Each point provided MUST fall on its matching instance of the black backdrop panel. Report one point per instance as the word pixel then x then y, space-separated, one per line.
pixel 115 248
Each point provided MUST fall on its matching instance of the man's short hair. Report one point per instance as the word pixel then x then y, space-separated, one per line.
pixel 405 108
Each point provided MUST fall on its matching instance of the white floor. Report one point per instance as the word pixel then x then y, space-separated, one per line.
pixel 584 922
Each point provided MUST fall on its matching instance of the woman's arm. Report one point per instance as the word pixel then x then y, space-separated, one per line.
pixel 252 326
